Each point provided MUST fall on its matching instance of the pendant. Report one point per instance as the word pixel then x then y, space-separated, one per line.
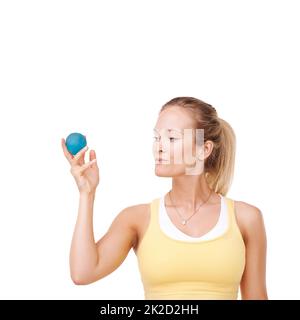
pixel 183 222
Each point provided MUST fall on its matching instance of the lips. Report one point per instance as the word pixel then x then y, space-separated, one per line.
pixel 161 160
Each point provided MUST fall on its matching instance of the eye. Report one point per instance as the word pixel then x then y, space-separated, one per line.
pixel 170 138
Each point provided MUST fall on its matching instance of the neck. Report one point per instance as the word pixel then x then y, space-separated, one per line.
pixel 191 191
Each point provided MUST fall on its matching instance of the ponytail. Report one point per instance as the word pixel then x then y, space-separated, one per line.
pixel 221 165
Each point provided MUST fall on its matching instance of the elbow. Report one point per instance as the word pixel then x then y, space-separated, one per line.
pixel 83 276
pixel 78 280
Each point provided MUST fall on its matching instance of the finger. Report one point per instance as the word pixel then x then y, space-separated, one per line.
pixel 79 154
pixel 87 165
pixel 67 154
pixel 92 155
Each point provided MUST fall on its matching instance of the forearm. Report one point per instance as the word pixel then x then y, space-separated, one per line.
pixel 83 252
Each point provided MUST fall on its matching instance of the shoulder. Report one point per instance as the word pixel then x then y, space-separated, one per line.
pixel 136 214
pixel 137 217
pixel 137 209
pixel 249 218
pixel 248 212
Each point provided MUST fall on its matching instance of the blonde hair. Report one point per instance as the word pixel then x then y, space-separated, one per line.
pixel 219 166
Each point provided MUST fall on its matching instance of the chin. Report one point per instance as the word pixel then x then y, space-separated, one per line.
pixel 162 170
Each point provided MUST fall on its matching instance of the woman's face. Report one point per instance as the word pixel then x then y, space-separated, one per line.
pixel 174 141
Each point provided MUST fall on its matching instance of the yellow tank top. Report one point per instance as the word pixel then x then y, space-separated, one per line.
pixel 178 269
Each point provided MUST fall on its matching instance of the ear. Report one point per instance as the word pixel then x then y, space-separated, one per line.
pixel 205 150
pixel 208 148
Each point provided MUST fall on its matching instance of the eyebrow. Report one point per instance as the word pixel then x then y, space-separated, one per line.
pixel 169 130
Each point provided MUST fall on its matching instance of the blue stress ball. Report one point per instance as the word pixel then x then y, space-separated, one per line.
pixel 75 142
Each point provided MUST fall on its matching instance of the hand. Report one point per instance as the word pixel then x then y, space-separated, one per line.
pixel 86 175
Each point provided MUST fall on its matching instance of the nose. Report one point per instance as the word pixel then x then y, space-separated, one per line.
pixel 162 148
pixel 158 148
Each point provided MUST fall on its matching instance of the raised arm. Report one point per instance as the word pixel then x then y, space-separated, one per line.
pixel 91 261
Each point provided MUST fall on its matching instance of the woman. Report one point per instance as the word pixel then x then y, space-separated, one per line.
pixel 191 243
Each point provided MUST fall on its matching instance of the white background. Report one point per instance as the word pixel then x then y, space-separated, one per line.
pixel 105 68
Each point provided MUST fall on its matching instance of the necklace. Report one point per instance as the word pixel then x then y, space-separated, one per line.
pixel 184 221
